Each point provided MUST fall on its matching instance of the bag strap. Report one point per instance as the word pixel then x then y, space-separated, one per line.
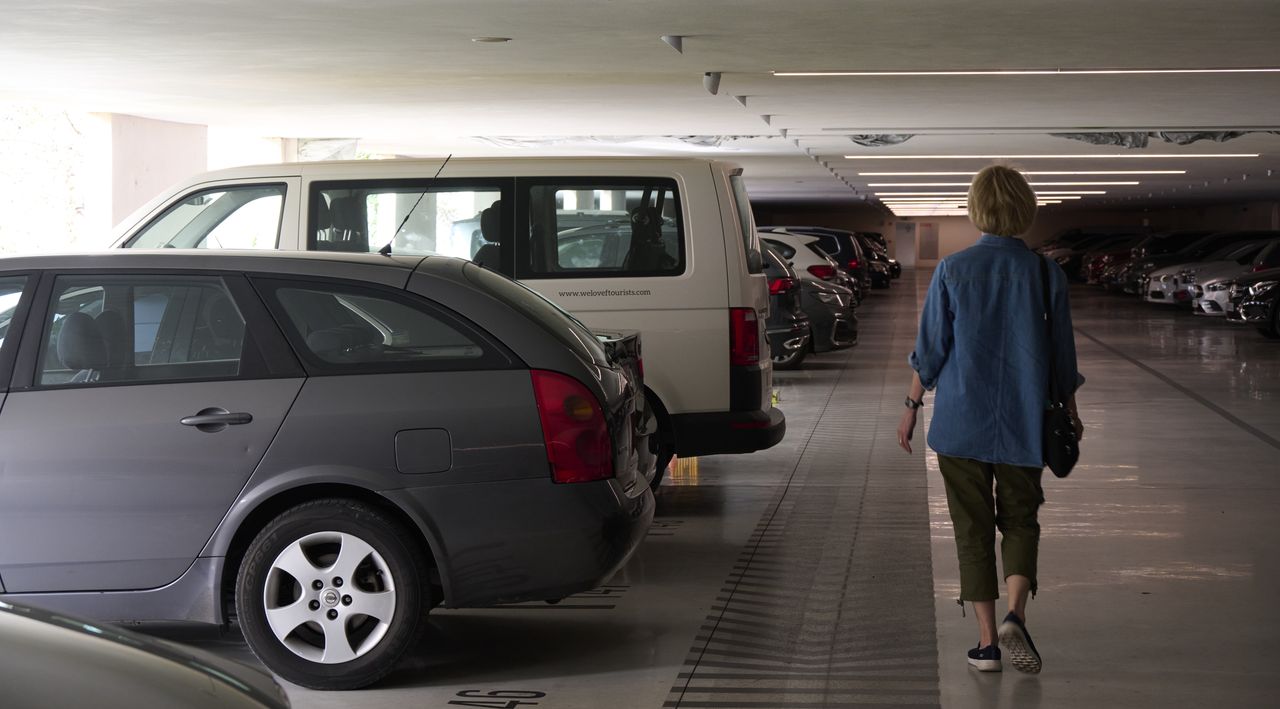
pixel 1055 397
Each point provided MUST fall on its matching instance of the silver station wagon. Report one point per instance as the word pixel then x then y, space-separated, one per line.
pixel 321 447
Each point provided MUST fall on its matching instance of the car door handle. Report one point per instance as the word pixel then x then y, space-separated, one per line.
pixel 215 419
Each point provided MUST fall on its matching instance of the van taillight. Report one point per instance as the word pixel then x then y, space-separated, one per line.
pixel 744 337
pixel 573 428
pixel 825 272
pixel 781 285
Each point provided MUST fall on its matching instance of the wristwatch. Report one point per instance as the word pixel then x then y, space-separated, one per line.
pixel 913 404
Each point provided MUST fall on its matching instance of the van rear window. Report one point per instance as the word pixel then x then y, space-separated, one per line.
pixel 600 227
pixel 750 239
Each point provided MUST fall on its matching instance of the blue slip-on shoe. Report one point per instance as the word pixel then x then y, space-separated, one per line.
pixel 985 659
pixel 1017 642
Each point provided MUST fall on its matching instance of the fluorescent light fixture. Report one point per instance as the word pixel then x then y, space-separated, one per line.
pixel 965 194
pixel 1037 173
pixel 1093 156
pixel 966 184
pixel 1035 72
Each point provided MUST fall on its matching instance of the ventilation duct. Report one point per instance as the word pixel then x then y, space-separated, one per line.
pixel 1140 139
pixel 879 140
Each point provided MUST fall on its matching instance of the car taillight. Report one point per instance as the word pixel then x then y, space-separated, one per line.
pixel 853 264
pixel 573 428
pixel 744 337
pixel 781 285
pixel 825 272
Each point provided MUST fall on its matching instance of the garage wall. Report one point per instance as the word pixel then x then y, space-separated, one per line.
pixel 956 233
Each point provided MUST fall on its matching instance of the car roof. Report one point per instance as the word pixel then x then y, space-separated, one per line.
pixel 389 270
pixel 799 238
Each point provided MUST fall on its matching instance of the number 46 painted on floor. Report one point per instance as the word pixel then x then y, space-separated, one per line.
pixel 493 699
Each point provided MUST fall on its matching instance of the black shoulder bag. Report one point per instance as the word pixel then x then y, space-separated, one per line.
pixel 1061 449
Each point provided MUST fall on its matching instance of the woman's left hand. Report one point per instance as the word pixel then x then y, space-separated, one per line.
pixel 906 428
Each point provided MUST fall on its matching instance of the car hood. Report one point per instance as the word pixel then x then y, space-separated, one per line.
pixel 1272 274
pixel 1218 269
pixel 51 659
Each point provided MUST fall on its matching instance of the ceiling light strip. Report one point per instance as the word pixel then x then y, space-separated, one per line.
pixel 1036 173
pixel 1032 72
pixel 1033 184
pixel 965 194
pixel 1091 156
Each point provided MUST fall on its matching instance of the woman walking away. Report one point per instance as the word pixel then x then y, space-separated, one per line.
pixel 983 344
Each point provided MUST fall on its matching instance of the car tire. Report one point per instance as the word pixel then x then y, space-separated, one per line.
pixel 352 557
pixel 793 360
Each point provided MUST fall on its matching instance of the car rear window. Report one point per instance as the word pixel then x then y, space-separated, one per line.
pixel 555 320
pixel 345 328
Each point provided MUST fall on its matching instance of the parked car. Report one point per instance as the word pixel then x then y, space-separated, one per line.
pixel 1072 259
pixel 810 261
pixel 53 660
pixel 1255 300
pixel 1207 283
pixel 832 315
pixel 1170 284
pixel 787 325
pixel 665 247
pixel 1155 251
pixel 880 268
pixel 842 246
pixel 336 441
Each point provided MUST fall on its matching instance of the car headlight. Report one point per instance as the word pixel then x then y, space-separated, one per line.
pixel 1262 287
pixel 829 298
pixel 1165 278
pixel 1219 287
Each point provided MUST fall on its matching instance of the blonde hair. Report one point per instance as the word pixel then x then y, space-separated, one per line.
pixel 1001 202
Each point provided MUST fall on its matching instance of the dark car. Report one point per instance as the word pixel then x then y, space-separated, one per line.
pixel 879 268
pixel 1255 300
pixel 320 446
pixel 832 315
pixel 1072 258
pixel 844 247
pixel 787 325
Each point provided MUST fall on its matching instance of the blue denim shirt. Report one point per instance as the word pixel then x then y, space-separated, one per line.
pixel 983 344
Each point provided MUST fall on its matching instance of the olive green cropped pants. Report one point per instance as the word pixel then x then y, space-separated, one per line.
pixel 976 513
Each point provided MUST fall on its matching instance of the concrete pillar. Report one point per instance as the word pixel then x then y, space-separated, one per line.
pixel 146 156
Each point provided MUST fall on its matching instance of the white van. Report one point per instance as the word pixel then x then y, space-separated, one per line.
pixel 664 246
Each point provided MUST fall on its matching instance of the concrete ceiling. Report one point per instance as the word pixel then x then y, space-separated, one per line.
pixel 592 76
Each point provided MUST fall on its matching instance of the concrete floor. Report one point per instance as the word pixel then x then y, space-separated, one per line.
pixel 821 573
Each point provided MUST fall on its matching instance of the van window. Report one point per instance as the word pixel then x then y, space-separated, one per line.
pixel 241 217
pixel 602 227
pixel 747 222
pixel 414 219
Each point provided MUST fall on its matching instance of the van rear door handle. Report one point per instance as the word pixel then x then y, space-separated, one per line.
pixel 215 419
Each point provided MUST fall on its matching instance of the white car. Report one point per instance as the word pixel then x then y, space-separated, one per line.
pixel 1211 291
pixel 667 247
pixel 1174 284
pixel 810 261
